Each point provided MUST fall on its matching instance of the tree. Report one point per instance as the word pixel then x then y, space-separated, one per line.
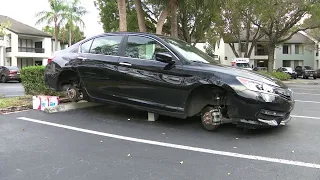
pixel 73 16
pixel 174 18
pixel 280 20
pixel 197 19
pixel 3 27
pixel 140 14
pixel 122 14
pixel 77 34
pixel 109 16
pixel 234 26
pixel 55 15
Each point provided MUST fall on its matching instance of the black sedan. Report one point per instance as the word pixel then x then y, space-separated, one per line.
pixel 167 76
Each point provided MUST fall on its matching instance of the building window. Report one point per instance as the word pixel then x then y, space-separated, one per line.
pixel 261 50
pixel 317 50
pixel 297 46
pixel 298 49
pixel 286 63
pixel 38 63
pixel 286 49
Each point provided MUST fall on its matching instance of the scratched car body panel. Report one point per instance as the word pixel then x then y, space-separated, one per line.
pixel 168 76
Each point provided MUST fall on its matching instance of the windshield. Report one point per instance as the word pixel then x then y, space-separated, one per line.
pixel 308 68
pixel 243 65
pixel 189 52
pixel 288 69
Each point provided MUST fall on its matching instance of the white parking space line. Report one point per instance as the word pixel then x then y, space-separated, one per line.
pixel 306 89
pixel 306 117
pixel 307 94
pixel 317 102
pixel 177 146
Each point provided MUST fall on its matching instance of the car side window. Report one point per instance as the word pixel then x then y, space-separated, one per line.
pixel 85 47
pixel 143 48
pixel 106 45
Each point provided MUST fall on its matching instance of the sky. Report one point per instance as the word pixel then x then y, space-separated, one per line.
pixel 25 10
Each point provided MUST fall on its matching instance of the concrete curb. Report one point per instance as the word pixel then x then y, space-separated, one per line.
pixel 70 106
pixel 299 82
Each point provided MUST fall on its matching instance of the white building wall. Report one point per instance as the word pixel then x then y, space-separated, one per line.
pixel 2 58
pixel 200 46
pixel 220 50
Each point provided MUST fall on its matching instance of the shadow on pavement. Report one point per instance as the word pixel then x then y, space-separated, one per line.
pixel 190 124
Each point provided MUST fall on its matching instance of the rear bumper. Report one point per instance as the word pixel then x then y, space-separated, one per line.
pixel 260 109
pixel 13 78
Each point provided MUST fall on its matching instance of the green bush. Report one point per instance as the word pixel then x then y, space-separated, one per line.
pixel 32 78
pixel 279 75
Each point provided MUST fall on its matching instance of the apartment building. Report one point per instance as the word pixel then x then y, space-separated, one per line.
pixel 299 50
pixel 24 45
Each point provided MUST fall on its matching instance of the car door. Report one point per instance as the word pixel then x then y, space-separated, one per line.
pixel 147 82
pixel 1 70
pixel 97 65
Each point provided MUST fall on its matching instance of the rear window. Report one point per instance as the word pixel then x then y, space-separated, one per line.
pixel 12 67
pixel 308 68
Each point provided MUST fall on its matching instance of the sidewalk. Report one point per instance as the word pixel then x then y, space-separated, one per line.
pixel 303 81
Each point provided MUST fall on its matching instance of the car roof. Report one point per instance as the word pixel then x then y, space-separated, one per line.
pixel 130 33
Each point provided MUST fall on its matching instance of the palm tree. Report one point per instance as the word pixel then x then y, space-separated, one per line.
pixel 140 14
pixel 122 14
pixel 73 16
pixel 54 15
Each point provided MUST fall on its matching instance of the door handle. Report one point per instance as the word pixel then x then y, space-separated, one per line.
pixel 81 58
pixel 125 64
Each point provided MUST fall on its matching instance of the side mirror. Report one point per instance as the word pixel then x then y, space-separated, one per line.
pixel 164 57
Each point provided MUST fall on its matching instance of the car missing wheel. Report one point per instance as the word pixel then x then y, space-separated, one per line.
pixel 169 77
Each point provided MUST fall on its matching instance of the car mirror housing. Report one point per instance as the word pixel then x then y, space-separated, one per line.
pixel 164 57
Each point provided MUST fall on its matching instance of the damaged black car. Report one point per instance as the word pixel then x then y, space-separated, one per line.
pixel 167 76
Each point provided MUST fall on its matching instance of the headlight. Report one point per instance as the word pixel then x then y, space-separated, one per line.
pixel 256 85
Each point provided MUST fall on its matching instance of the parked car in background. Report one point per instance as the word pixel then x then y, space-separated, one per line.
pixel 306 72
pixel 318 73
pixel 170 77
pixel 260 69
pixel 9 73
pixel 289 71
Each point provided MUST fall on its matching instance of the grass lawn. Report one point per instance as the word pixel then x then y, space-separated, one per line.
pixel 15 101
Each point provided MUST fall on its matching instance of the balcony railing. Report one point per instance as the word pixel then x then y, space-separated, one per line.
pixel 32 50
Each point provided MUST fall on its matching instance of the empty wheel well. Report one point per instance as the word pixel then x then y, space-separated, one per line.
pixel 203 96
pixel 68 77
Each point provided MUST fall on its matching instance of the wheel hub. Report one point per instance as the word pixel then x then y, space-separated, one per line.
pixel 71 93
pixel 207 118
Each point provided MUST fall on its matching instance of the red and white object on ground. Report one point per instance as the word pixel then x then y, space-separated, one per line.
pixel 41 102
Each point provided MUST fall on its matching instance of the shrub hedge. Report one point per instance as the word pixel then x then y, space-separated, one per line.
pixel 279 75
pixel 32 78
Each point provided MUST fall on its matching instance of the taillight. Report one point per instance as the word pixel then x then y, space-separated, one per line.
pixel 51 59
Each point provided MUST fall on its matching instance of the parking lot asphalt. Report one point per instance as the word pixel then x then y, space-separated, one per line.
pixel 110 142
pixel 11 89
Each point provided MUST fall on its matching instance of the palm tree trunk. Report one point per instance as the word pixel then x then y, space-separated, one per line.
pixel 162 19
pixel 56 33
pixel 70 34
pixel 174 21
pixel 122 15
pixel 141 21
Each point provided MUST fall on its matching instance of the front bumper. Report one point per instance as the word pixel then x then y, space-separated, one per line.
pixel 261 109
